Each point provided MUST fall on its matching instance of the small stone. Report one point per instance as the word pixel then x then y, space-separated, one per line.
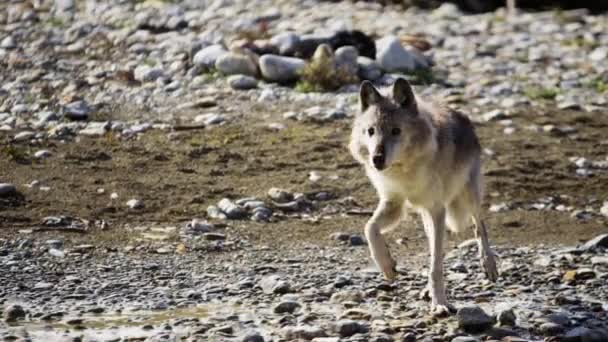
pixel 23 136
pixel 8 43
pixel 570 276
pixel 506 318
pixel 286 42
pixel 582 334
pixel 56 253
pixel 13 313
pixel 473 319
pixel 281 69
pixel 600 241
pixel 286 307
pixel 599 260
pixel 280 195
pixel 465 339
pixel 210 119
pixel 42 285
pixel 146 73
pixel 208 56
pixel 551 329
pixel 339 236
pixel 499 207
pixel 77 111
pixel 42 154
pixel 214 236
pixel 215 213
pixel 231 209
pixel 599 54
pixel 274 284
pixel 252 337
pixel 357 314
pixel 304 332
pixel 95 129
pixel 347 328
pixel 494 115
pixel 242 82
pixel 7 189
pixel 357 240
pixel 197 226
pixel 369 69
pixel 135 204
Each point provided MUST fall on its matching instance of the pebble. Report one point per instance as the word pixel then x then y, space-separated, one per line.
pixel 280 195
pixel 146 73
pixel 473 319
pixel 286 307
pixel 304 332
pixel 347 328
pixel 7 189
pixel 77 111
pixel 274 284
pixel 23 136
pixel 8 43
pixel 42 154
pixel 506 318
pixel 600 241
pixel 231 209
pixel 13 313
pixel 242 82
pixel 135 204
pixel 207 57
pixel 369 69
pixel 494 115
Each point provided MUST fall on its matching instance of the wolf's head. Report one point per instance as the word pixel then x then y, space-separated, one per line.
pixel 389 128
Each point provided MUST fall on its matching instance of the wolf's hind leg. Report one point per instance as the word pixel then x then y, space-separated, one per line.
pixel 386 215
pixel 486 255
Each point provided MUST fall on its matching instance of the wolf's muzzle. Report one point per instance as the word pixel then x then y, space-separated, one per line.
pixel 378 161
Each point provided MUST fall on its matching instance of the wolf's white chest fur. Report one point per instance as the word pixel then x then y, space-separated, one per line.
pixel 420 186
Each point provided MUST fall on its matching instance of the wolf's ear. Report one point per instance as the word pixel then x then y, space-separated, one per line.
pixel 403 93
pixel 368 95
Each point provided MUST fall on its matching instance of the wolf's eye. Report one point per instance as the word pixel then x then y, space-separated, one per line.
pixel 370 131
pixel 396 131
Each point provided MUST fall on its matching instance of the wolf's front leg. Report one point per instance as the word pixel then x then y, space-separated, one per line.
pixel 386 215
pixel 434 227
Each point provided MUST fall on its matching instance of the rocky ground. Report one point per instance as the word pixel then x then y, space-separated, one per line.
pixel 168 169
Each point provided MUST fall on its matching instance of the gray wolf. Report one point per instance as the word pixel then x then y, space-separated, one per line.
pixel 420 156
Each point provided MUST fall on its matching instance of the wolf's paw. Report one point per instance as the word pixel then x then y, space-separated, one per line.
pixel 390 273
pixel 488 262
pixel 442 310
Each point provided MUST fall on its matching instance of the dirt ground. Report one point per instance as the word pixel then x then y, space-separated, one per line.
pixel 179 174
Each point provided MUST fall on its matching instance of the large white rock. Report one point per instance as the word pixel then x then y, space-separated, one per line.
pixel 393 57
pixel 281 69
pixel 236 64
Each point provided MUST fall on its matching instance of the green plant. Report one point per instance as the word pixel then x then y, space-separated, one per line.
pixel 537 93
pixel 15 153
pixel 599 85
pixel 322 74
pixel 423 76
pixel 57 22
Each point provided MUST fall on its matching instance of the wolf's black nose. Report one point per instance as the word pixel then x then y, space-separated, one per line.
pixel 378 161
